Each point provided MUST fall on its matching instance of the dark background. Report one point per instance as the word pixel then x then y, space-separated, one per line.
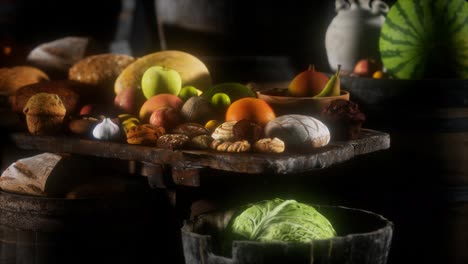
pixel 279 34
pixel 292 29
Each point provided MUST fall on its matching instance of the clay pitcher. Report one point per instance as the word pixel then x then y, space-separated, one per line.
pixel 353 34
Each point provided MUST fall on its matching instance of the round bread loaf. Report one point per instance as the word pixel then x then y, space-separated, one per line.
pixel 11 79
pixel 300 133
pixel 101 71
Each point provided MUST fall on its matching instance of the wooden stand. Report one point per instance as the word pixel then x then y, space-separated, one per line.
pixel 179 172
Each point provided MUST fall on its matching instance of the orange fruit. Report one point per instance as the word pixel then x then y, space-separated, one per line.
pixel 252 109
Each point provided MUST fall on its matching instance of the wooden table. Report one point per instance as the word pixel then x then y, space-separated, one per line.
pixel 187 164
pixel 178 172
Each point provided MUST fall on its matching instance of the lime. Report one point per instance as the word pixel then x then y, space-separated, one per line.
pixel 221 100
pixel 188 91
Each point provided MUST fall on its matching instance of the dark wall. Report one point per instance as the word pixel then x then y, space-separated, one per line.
pixel 291 28
pixel 40 21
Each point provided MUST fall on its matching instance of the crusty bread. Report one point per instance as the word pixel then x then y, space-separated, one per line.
pixel 57 56
pixel 29 175
pixel 11 79
pixel 101 71
pixel 70 92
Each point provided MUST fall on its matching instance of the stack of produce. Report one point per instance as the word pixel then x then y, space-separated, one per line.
pixel 167 100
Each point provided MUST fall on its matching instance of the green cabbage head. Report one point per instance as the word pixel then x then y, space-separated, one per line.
pixel 281 220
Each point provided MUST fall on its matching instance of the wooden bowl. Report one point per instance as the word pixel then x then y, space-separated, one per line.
pixel 282 104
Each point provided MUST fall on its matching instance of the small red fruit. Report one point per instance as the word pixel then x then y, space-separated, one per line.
pixel 366 67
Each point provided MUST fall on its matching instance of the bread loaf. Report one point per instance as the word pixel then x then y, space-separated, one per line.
pixel 29 175
pixel 300 133
pixel 11 79
pixel 70 92
pixel 100 71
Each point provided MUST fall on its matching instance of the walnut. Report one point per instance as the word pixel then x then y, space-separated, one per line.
pixel 269 145
pixel 227 146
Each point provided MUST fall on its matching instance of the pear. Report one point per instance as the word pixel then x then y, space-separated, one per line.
pixel 333 86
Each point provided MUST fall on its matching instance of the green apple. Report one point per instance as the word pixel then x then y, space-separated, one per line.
pixel 188 91
pixel 221 100
pixel 158 80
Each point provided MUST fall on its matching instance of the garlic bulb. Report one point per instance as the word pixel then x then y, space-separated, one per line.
pixel 106 130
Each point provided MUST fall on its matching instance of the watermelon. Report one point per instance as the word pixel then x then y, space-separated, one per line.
pixel 426 39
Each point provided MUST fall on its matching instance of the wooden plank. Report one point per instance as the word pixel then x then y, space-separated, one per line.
pixel 253 163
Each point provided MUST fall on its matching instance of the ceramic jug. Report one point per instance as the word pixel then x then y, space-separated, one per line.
pixel 354 32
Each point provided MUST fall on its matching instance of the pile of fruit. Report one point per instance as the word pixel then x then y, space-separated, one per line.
pixel 167 99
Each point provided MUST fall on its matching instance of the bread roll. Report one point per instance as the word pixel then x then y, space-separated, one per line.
pixel 11 79
pixel 44 114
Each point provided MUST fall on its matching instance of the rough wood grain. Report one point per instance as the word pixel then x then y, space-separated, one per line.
pixel 363 237
pixel 285 163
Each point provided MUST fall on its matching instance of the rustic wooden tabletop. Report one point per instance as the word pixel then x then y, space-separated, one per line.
pixel 285 163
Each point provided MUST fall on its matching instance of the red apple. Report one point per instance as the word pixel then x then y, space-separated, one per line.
pixel 367 67
pixel 166 117
pixel 129 100
pixel 158 101
pixel 95 110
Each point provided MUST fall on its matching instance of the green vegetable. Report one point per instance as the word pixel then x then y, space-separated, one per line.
pixel 280 220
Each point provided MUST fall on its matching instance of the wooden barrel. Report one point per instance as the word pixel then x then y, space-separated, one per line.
pixel 114 229
pixel 363 237
pixel 422 180
pixel 427 119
